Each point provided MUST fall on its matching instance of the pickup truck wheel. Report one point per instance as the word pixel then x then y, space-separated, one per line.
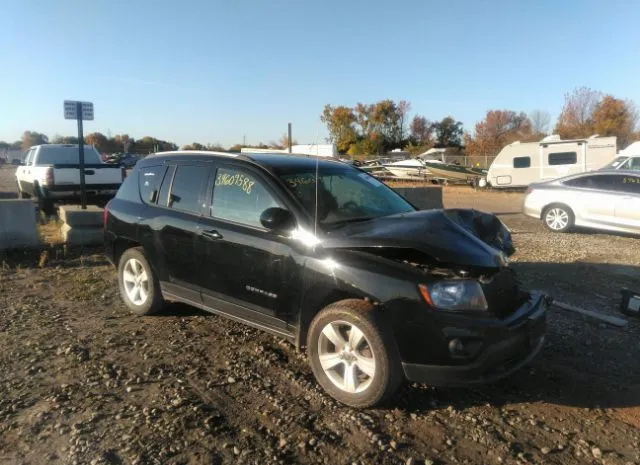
pixel 353 355
pixel 139 286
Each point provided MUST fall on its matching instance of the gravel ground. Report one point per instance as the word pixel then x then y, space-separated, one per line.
pixel 84 382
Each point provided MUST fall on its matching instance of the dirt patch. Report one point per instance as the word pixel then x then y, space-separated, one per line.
pixel 84 382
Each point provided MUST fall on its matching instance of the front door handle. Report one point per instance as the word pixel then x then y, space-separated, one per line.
pixel 211 234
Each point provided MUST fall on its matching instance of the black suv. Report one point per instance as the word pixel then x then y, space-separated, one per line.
pixel 328 257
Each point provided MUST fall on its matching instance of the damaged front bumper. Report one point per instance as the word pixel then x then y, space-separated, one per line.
pixel 506 347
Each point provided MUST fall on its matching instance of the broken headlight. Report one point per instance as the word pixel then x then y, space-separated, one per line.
pixel 455 295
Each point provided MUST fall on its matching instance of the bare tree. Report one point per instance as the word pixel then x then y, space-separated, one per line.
pixel 540 121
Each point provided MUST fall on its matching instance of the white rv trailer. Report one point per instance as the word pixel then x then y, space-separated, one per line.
pixel 520 164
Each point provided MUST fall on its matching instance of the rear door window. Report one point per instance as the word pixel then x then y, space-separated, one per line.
pixel 187 188
pixel 67 155
pixel 522 162
pixel 241 197
pixel 149 180
pixel 563 158
pixel 634 164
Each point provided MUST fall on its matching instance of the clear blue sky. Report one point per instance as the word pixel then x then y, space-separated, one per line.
pixel 213 71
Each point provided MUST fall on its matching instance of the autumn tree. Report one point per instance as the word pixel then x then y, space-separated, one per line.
pixel 123 142
pixel 58 139
pixel 340 122
pixel 31 138
pixel 99 141
pixel 615 117
pixel 497 129
pixel 421 131
pixel 448 133
pixel 540 121
pixel 576 118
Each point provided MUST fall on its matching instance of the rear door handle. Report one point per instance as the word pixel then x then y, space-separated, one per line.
pixel 89 172
pixel 211 234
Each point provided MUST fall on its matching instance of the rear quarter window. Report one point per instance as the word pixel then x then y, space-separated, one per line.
pixel 149 180
pixel 67 155
pixel 129 188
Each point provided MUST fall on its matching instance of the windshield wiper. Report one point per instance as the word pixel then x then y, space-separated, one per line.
pixel 340 223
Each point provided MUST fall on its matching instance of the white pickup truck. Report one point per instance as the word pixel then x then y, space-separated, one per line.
pixel 51 173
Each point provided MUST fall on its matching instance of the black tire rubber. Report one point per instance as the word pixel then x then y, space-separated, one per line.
pixel 388 375
pixel 569 212
pixel 155 301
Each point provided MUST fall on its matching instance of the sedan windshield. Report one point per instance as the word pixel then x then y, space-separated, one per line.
pixel 344 196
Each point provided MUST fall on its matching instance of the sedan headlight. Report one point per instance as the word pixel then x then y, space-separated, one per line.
pixel 458 295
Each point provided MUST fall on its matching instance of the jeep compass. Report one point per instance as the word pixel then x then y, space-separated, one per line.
pixel 328 257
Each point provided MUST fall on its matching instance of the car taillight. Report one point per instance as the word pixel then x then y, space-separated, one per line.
pixel 48 177
pixel 529 190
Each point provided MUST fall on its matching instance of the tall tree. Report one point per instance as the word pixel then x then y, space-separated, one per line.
pixel 576 118
pixel 403 109
pixel 615 117
pixel 448 133
pixel 31 138
pixel 340 124
pixel 98 140
pixel 497 129
pixel 540 121
pixel 421 131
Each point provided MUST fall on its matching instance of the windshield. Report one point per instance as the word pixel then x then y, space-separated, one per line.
pixel 344 196
pixel 615 164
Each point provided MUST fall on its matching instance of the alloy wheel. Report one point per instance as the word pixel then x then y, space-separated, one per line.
pixel 346 356
pixel 557 219
pixel 136 282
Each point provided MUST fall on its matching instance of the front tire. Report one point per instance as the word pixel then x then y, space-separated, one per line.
pixel 558 218
pixel 138 284
pixel 353 355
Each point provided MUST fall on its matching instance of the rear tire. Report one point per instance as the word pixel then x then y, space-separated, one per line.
pixel 558 218
pixel 138 284
pixel 353 355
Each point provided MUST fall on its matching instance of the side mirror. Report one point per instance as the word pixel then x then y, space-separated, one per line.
pixel 277 219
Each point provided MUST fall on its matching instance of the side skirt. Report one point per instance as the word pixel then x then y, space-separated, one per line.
pixel 276 331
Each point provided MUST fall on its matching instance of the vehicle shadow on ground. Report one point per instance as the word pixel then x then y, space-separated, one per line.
pixel 600 232
pixel 177 309
pixel 585 362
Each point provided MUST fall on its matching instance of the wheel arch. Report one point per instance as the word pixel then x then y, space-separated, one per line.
pixel 544 209
pixel 312 307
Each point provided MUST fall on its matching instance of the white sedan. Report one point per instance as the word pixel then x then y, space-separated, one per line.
pixel 606 199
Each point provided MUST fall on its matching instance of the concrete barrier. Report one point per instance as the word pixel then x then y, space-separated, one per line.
pixel 424 198
pixel 18 225
pixel 82 227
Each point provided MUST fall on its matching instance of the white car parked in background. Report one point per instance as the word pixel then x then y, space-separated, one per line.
pixel 608 200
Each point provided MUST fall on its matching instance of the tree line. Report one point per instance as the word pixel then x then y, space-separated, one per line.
pixel 123 143
pixel 378 128
pixel 370 129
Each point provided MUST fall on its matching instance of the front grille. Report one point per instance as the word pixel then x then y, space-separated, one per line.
pixel 502 292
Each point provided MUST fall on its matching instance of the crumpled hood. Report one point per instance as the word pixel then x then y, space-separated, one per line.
pixel 451 236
